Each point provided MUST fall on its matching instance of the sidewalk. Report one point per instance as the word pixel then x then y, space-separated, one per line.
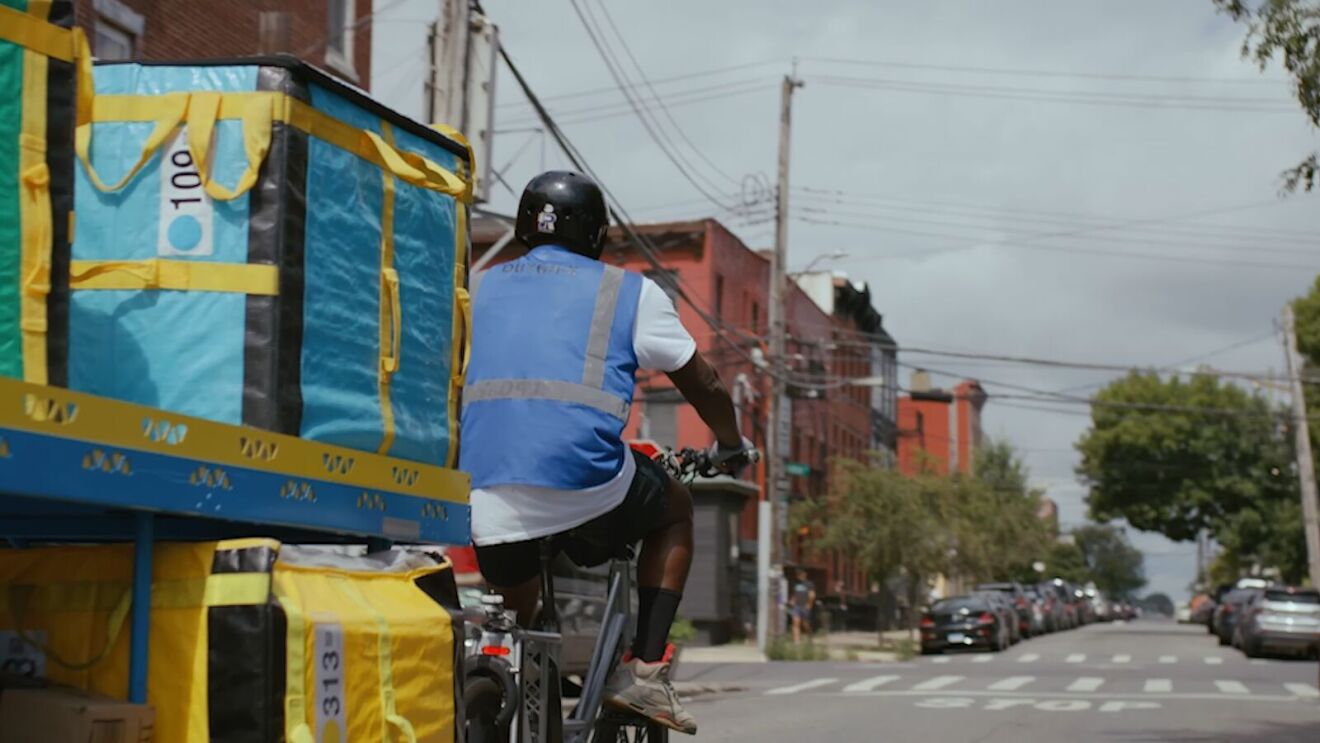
pixel 730 653
pixel 861 646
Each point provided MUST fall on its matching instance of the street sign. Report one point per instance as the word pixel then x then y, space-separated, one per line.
pixel 797 469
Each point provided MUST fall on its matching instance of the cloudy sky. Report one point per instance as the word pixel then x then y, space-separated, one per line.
pixel 1088 181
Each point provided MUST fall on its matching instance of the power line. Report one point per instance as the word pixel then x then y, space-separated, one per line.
pixel 1042 73
pixel 658 81
pixel 718 92
pixel 667 147
pixel 1122 100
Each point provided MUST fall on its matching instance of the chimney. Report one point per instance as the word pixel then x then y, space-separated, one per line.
pixel 920 381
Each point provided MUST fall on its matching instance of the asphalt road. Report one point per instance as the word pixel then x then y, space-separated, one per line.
pixel 1129 682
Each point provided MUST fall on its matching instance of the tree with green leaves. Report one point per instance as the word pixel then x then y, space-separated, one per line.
pixel 1157 603
pixel 1000 533
pixel 1112 563
pixel 1287 30
pixel 1179 456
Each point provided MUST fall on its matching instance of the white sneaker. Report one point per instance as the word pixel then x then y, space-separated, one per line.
pixel 644 689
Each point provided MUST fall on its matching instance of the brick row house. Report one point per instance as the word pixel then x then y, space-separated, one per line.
pixel 332 34
pixel 833 332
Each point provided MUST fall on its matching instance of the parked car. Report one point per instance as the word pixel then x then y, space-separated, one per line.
pixel 1004 605
pixel 1063 590
pixel 1230 611
pixel 1017 596
pixel 1200 609
pixel 1184 615
pixel 966 622
pixel 1043 616
pixel 1099 605
pixel 1280 619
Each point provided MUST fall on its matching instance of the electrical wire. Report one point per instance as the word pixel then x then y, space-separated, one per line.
pixel 658 81
pixel 1042 73
pixel 718 92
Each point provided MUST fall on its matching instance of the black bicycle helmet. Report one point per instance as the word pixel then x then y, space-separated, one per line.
pixel 563 208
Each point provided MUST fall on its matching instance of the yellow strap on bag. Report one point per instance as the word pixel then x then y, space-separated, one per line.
pixel 258 118
pixel 296 729
pixel 36 34
pixel 386 668
pixel 169 110
pixel 18 598
pixel 176 275
pixel 391 307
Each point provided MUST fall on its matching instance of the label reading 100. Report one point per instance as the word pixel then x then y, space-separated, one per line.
pixel 186 211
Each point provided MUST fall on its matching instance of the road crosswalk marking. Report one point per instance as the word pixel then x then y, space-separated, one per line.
pixel 1166 659
pixel 1214 660
pixel 870 684
pixel 1232 687
pixel 1029 658
pixel 939 682
pixel 1303 690
pixel 1158 686
pixel 1012 683
pixel 804 686
pixel 983 658
pixel 1075 658
pixel 1122 659
pixel 1086 683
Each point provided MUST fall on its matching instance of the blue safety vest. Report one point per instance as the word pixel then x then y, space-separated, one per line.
pixel 552 371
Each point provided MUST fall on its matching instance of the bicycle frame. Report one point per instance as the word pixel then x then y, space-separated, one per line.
pixel 533 659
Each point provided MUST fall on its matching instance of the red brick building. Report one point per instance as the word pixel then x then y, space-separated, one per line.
pixel 833 333
pixel 332 34
pixel 939 430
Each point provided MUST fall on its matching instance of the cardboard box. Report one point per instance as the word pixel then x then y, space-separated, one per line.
pixel 64 715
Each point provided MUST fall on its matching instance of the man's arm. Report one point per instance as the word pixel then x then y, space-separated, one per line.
pixel 700 385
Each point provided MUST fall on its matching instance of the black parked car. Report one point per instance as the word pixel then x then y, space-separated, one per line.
pixel 964 622
pixel 1230 611
pixel 1018 598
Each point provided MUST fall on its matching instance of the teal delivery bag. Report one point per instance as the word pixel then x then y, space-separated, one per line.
pixel 257 243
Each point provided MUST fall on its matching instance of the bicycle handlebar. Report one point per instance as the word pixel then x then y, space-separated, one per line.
pixel 686 464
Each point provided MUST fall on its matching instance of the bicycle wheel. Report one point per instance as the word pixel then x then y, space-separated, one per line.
pixel 630 731
pixel 483 699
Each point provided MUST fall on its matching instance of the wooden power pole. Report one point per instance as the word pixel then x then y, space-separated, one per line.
pixel 1305 464
pixel 773 513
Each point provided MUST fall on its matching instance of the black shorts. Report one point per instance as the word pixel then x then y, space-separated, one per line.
pixel 606 536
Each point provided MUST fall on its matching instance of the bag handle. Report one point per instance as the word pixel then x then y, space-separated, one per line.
pixel 464 300
pixel 258 120
pixel 115 624
pixel 410 167
pixel 389 361
pixel 170 110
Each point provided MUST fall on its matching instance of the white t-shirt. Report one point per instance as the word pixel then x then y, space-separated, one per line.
pixel 514 513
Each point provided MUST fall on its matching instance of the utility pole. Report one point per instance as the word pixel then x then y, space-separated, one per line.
pixel 1305 465
pixel 772 514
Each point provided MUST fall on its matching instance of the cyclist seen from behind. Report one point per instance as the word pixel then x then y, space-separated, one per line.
pixel 557 339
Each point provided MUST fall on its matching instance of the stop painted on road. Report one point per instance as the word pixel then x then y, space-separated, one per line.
pixel 1046 705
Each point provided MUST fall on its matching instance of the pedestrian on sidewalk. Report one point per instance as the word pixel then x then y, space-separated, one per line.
pixel 800 603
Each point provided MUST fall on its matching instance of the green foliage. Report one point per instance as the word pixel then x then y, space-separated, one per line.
pixel 681 631
pixel 1066 561
pixel 782 648
pixel 1116 567
pixel 982 528
pixel 1157 603
pixel 1288 30
pixel 1177 457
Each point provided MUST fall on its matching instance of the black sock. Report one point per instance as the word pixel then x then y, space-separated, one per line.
pixel 653 625
pixel 645 602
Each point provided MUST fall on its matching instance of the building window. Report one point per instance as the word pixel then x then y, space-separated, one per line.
pixel 117 31
pixel 756 317
pixel 339 44
pixel 719 297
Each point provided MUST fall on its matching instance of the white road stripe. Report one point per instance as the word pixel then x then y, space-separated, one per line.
pixel 1303 690
pixel 1075 658
pixel 1158 686
pixel 869 684
pixel 1232 687
pixel 1012 683
pixel 939 682
pixel 804 686
pixel 941 659
pixel 1029 658
pixel 983 658
pixel 1122 659
pixel 1214 660
pixel 1168 659
pixel 1086 683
